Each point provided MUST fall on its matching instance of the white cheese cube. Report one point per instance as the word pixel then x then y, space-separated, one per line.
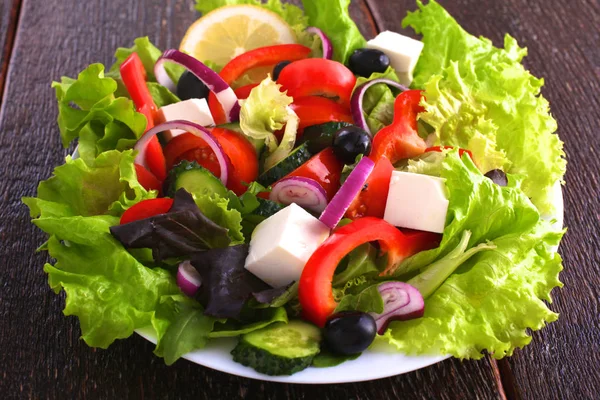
pixel 403 52
pixel 194 110
pixel 416 201
pixel 282 244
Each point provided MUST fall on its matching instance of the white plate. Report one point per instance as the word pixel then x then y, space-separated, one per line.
pixel 380 361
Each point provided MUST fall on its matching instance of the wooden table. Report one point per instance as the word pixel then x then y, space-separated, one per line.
pixel 41 355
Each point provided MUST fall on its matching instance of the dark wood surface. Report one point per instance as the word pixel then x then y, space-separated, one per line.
pixel 41 355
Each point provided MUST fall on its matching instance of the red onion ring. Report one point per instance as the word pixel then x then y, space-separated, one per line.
pixel 358 96
pixel 305 192
pixel 188 279
pixel 326 43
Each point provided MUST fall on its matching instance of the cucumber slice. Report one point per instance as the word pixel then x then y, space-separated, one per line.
pixel 295 159
pixel 319 137
pixel 195 179
pixel 279 349
pixel 267 208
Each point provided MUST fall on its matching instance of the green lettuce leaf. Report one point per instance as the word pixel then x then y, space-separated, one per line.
pixel 333 18
pixel 257 320
pixel 88 109
pixel 217 209
pixel 494 297
pixel 378 103
pixel 106 185
pixel 482 98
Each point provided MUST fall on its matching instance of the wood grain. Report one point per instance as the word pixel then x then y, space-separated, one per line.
pixel 563 39
pixel 9 13
pixel 41 355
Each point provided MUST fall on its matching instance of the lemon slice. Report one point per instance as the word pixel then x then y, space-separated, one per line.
pixel 229 31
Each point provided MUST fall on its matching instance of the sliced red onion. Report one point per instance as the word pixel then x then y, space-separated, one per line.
pixel 350 189
pixel 326 43
pixel 224 93
pixel 305 192
pixel 198 130
pixel 188 279
pixel 357 100
pixel 401 302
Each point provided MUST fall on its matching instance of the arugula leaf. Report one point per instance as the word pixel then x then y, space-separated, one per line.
pixel 180 232
pixel 257 320
pixel 482 98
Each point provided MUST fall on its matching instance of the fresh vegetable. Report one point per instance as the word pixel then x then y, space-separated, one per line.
pixel 323 167
pixel 372 199
pixel 365 62
pixel 134 78
pixel 190 87
pixel 351 142
pixel 297 158
pixel 265 111
pixel 146 209
pixel 325 42
pixel 348 191
pixel 188 279
pixel 481 98
pixel 226 284
pixel 147 179
pixel 440 149
pixel 222 91
pixel 349 332
pixel 263 56
pixel 200 131
pixel 194 179
pixel 401 302
pixel 318 77
pixel 305 192
pixel 190 147
pixel 278 67
pixel 180 232
pixel 356 103
pixel 314 291
pixel 400 140
pixel 313 110
pixel 319 137
pixel 497 176
pixel 279 349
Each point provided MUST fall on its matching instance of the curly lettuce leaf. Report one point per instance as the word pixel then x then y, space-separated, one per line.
pixel 105 185
pixel 88 110
pixel 493 298
pixel 482 96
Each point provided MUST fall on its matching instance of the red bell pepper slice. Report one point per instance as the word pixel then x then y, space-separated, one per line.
pixel 134 78
pixel 146 209
pixel 400 140
pixel 260 57
pixel 315 290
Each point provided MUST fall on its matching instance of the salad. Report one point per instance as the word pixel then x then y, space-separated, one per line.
pixel 285 181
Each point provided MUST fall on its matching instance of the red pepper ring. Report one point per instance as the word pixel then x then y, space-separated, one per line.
pixel 315 290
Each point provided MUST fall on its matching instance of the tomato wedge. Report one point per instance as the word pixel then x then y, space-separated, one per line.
pixel 325 168
pixel 371 201
pixel 318 77
pixel 400 140
pixel 313 110
pixel 146 209
pixel 239 150
pixel 262 56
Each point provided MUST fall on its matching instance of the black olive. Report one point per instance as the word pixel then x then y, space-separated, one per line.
pixel 277 69
pixel 497 176
pixel 349 332
pixel 190 87
pixel 349 142
pixel 364 62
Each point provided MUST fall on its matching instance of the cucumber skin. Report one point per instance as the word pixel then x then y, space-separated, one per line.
pixel 267 208
pixel 267 363
pixel 319 137
pixel 186 167
pixel 294 160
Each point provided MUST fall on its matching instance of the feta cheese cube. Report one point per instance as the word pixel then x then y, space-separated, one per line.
pixel 194 110
pixel 416 201
pixel 282 244
pixel 402 51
